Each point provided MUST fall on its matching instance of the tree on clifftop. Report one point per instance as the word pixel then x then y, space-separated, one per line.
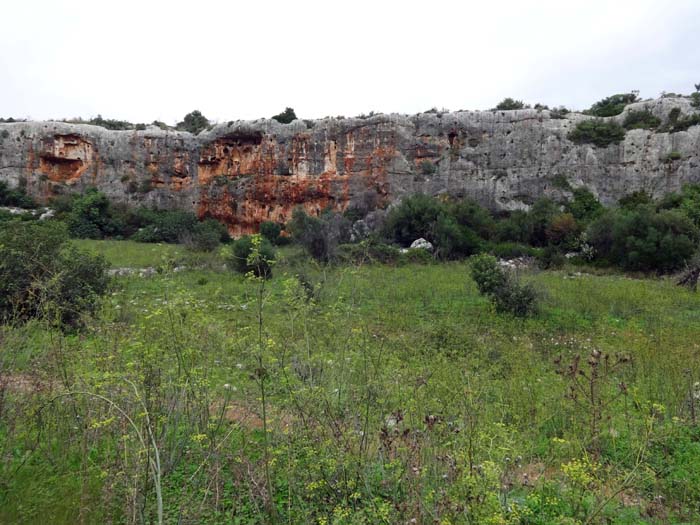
pixel 286 116
pixel 193 122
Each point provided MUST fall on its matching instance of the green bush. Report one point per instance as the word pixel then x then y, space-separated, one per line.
pixel 643 239
pixel 252 253
pixel 687 202
pixel 516 299
pixel 472 215
pixel 683 123
pixel 539 218
pixel 427 167
pixel 164 225
pixel 487 274
pixel 673 155
pixel 510 250
pixel 584 206
pixel 551 258
pixel 515 227
pixel 41 275
pixel 508 104
pixel 453 240
pixel 286 116
pixel 194 122
pixel 452 228
pixel 613 105
pixel 563 231
pixel 271 231
pixel 413 218
pixel 90 216
pixel 15 197
pixel 205 236
pixel 695 99
pixel 634 200
pixel 643 119
pixel 598 132
pixel 320 236
pixel 507 295
pixel 369 251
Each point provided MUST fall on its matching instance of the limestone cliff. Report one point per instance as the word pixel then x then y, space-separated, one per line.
pixel 243 173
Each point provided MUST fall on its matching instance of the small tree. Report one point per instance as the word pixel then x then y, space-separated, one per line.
pixel 504 291
pixel 252 253
pixel 286 116
pixel 42 276
pixel 509 104
pixel 613 105
pixel 193 122
pixel 598 132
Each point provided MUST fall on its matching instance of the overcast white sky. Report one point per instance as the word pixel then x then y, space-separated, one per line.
pixel 159 59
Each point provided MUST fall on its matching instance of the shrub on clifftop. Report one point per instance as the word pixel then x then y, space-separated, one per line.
pixel 598 132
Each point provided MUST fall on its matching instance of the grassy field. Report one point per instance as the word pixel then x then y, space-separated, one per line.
pixel 370 394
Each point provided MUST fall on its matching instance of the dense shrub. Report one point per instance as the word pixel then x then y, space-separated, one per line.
pixel 687 201
pixel 563 231
pixel 644 239
pixel 635 199
pixel 510 250
pixel 683 123
pixel 509 104
pixel 513 228
pixel 252 253
pixel 194 122
pixel 286 116
pixel 427 168
pixel 15 197
pixel 453 240
pixel 516 299
pixel 505 292
pixel 641 120
pixel 164 225
pixel 42 276
pixel 413 218
pixel 470 214
pixel 539 218
pixel 613 105
pixel 90 216
pixel 695 99
pixel 320 236
pixel 449 227
pixel 584 206
pixel 271 231
pixel 597 132
pixel 205 236
pixel 551 258
pixel 486 273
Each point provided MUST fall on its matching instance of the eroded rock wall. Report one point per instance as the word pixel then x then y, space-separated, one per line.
pixel 244 173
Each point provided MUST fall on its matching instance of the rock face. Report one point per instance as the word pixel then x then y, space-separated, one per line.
pixel 243 173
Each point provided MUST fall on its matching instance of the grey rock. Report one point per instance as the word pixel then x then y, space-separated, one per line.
pixel 421 244
pixel 248 172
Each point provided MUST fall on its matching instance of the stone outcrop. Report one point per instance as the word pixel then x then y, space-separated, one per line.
pixel 243 173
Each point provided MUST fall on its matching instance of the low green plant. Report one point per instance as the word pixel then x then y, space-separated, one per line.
pixel 508 104
pixel 598 132
pixel 643 119
pixel 251 253
pixel 505 292
pixel 612 105
pixel 286 117
pixel 427 168
pixel 41 275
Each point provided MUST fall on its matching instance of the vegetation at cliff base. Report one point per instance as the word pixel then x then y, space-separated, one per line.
pixel 429 362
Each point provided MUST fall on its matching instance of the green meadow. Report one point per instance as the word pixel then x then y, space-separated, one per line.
pixel 348 394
